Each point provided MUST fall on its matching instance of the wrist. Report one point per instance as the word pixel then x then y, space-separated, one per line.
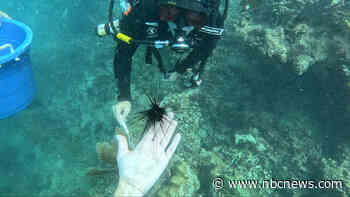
pixel 125 189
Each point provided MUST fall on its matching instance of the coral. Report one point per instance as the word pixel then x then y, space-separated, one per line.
pixel 240 162
pixel 184 182
pixel 213 160
pixel 339 170
pixel 303 62
pixel 275 44
pixel 259 143
pixel 264 151
pixel 107 152
pixel 297 34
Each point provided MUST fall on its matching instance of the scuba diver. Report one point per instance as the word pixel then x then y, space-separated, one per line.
pixel 185 26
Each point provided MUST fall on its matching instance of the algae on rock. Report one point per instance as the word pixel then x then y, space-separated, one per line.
pixel 184 182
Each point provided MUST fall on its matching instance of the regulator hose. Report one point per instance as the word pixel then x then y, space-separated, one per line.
pixel 110 16
pixel 227 4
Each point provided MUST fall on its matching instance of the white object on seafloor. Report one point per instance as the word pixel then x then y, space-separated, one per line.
pixel 123 124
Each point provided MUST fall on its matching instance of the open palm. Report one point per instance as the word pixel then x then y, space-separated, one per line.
pixel 143 166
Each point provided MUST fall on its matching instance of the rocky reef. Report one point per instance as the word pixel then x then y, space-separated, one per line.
pixel 339 170
pixel 183 182
pixel 274 150
pixel 232 126
pixel 300 36
pixel 300 33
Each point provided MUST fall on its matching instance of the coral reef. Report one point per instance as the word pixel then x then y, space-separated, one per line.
pixel 296 33
pixel 308 39
pixel 107 152
pixel 339 171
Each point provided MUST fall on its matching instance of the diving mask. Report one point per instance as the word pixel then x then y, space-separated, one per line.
pixel 172 13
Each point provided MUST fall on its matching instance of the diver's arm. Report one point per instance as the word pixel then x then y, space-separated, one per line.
pixel 124 54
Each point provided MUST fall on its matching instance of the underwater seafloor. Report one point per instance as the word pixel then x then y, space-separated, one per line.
pixel 248 121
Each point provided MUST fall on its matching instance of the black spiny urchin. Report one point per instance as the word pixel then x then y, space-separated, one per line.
pixel 156 110
pixel 153 114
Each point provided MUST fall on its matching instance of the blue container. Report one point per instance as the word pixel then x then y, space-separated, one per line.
pixel 16 80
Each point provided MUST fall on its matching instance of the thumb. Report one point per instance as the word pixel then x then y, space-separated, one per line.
pixel 123 147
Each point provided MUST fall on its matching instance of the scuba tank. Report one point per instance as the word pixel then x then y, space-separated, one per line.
pixel 106 28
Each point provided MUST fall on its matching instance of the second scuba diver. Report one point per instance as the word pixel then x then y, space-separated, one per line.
pixel 192 26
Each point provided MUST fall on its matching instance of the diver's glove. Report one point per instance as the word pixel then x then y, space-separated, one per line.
pixel 191 79
pixel 196 81
pixel 121 110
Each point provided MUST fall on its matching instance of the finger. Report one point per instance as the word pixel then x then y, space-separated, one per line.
pixel 150 134
pixel 163 125
pixel 122 146
pixel 147 138
pixel 169 133
pixel 171 149
pixel 161 128
pixel 157 149
pixel 166 122
pixel 156 131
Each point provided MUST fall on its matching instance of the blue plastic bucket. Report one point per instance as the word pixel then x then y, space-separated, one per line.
pixel 16 80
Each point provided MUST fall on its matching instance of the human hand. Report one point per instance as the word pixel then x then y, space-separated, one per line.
pixel 121 110
pixel 140 168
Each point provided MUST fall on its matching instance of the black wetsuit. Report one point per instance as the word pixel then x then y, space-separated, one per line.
pixel 134 25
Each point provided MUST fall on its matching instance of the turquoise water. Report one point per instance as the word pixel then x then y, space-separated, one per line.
pixel 48 147
pixel 260 122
